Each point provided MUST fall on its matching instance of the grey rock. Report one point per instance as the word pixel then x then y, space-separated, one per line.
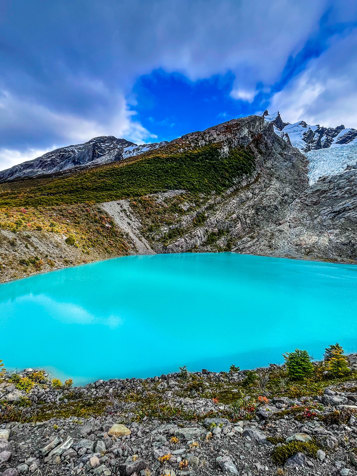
pixel 4 434
pixel 88 445
pixel 50 446
pixel 100 447
pixel 303 437
pixel 60 448
pixel 22 468
pixel 255 435
pixel 321 455
pixel 10 472
pixel 227 465
pixel 102 470
pixel 5 456
pixel 190 433
pixel 297 460
pixel 134 467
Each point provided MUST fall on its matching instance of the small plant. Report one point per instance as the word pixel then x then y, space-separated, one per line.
pixel 299 364
pixel 282 453
pixel 25 384
pixel 2 368
pixel 165 458
pixel 56 383
pixel 233 369
pixel 336 361
pixel 70 240
pixel 184 372
pixel 250 379
pixel 39 376
pixel 174 440
pixel 68 383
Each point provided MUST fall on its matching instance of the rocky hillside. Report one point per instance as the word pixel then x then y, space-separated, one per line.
pixel 237 186
pixel 229 423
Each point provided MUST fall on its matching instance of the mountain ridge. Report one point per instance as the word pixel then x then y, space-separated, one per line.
pixel 107 149
pixel 238 187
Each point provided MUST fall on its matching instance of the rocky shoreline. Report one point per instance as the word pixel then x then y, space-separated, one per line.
pixel 243 423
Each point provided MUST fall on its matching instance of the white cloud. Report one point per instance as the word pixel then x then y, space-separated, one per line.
pixel 243 94
pixel 326 91
pixel 36 119
pixel 10 157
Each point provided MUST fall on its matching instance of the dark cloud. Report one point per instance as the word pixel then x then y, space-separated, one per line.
pixel 68 66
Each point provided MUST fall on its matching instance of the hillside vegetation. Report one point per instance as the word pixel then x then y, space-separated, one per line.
pixel 201 170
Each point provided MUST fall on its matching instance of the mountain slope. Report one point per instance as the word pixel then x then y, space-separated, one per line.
pixel 237 186
pixel 97 151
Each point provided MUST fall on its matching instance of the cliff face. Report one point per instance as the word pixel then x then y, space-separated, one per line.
pixel 234 187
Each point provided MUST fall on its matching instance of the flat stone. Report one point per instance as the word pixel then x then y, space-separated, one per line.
pixel 100 447
pixel 226 464
pixel 255 435
pixel 4 445
pixel 60 449
pixel 52 444
pixel 4 434
pixel 102 470
pixel 5 456
pixel 14 396
pixel 119 430
pixel 303 437
pixel 94 461
pixel 10 472
pixel 86 444
pixel 133 467
pixel 190 433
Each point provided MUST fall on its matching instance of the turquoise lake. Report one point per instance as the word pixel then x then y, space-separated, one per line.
pixel 142 316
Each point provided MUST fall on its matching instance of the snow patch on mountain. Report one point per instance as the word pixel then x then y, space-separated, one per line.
pixel 331 161
pixel 329 150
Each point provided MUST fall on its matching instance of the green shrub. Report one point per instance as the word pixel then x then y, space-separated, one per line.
pixel 299 364
pixel 250 379
pixel 2 368
pixel 203 170
pixel 282 453
pixel 336 361
pixel 56 383
pixel 25 384
pixel 70 240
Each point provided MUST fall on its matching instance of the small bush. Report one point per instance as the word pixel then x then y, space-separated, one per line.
pixel 68 383
pixel 282 453
pixel 2 368
pixel 336 361
pixel 233 369
pixel 250 379
pixel 299 364
pixel 338 417
pixel 56 383
pixel 25 384
pixel 70 240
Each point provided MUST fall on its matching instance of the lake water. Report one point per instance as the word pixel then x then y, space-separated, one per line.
pixel 142 316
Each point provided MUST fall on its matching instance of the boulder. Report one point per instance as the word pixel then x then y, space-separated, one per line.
pixel 119 430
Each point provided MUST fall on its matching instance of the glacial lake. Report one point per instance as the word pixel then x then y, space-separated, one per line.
pixel 142 316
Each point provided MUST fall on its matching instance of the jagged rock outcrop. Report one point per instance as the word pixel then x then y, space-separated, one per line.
pixel 307 137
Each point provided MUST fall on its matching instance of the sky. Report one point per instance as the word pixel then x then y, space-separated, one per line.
pixel 152 70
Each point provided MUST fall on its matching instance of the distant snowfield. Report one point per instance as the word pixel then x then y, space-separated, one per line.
pixel 331 161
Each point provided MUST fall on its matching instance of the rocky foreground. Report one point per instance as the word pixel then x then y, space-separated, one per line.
pixel 230 423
